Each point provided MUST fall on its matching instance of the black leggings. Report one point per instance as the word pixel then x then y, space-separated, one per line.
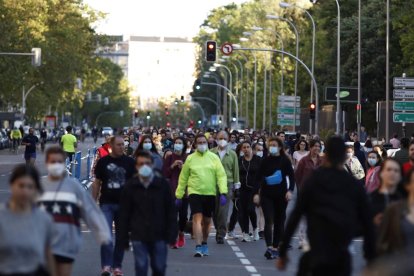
pixel 274 211
pixel 234 215
pixel 182 213
pixel 247 211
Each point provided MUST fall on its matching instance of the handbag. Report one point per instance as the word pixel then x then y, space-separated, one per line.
pixel 274 179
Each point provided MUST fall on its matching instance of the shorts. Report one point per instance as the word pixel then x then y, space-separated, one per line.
pixel 204 204
pixel 63 260
pixel 29 155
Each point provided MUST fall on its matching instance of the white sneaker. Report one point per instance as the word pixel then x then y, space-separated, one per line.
pixel 246 237
pixel 256 236
pixel 230 236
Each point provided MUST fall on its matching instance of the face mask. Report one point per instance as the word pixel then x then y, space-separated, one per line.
pixel 126 143
pixel 145 171
pixel 178 147
pixel 261 143
pixel 349 155
pixel 202 148
pixel 254 141
pixel 322 148
pixel 372 161
pixel 259 153
pixel 274 150
pixel 56 169
pixel 241 154
pixel 147 146
pixel 241 140
pixel 222 143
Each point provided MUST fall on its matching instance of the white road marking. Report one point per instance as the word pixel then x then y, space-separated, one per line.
pixel 235 248
pixel 231 242
pixel 251 269
pixel 245 261
pixel 240 255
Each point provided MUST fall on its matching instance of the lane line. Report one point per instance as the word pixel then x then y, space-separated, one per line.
pixel 240 255
pixel 251 269
pixel 235 248
pixel 245 262
pixel 231 242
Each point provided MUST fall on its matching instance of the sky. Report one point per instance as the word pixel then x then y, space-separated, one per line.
pixel 180 18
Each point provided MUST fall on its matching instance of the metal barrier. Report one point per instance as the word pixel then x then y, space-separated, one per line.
pixel 74 168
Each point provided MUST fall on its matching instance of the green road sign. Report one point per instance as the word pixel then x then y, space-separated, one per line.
pixel 287 122
pixel 403 117
pixel 288 110
pixel 403 106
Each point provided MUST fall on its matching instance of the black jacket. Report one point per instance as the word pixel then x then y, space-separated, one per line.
pixel 334 204
pixel 148 213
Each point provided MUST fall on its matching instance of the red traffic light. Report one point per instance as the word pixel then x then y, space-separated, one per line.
pixel 211 51
pixel 358 107
pixel 167 113
pixel 168 124
pixel 312 106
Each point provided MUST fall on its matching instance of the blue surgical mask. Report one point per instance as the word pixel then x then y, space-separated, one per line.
pixel 145 171
pixel 273 150
pixel 178 147
pixel 372 161
pixel 147 146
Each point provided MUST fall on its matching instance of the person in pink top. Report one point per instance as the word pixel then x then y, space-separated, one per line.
pixel 372 181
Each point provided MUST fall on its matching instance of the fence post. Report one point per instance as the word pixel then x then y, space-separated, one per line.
pixel 78 160
pixel 88 165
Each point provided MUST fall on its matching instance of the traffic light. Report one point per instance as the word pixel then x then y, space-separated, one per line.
pixel 312 111
pixel 211 51
pixel 167 113
pixel 198 84
pixel 36 57
pixel 168 124
pixel 199 121
pixel 182 99
pixel 148 115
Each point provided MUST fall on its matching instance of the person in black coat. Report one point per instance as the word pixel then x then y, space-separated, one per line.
pixel 360 155
pixel 148 213
pixel 335 206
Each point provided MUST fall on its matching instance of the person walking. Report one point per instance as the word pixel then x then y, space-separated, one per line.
pixel 276 187
pixel 402 155
pixel 395 142
pixel 352 165
pixel 171 170
pixel 360 154
pixel 66 201
pixel 148 213
pixel 30 141
pixel 26 232
pixel 69 143
pixel 111 174
pixel 303 172
pixel 249 166
pixel 301 150
pixel 202 174
pixel 372 181
pixel 230 163
pixel 334 204
pixel 390 175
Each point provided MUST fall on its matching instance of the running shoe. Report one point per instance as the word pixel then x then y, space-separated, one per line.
pixel 117 272
pixel 106 271
pixel 174 245
pixel 230 235
pixel 256 235
pixel 246 237
pixel 204 250
pixel 181 241
pixel 198 251
pixel 271 254
pixel 220 240
pixel 261 235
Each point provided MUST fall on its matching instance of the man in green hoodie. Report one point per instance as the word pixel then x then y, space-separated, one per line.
pixel 201 174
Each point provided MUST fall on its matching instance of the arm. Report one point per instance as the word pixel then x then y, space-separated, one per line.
pixel 236 171
pixel 365 217
pixel 290 173
pixel 96 188
pixel 50 262
pixel 299 172
pixel 183 180
pixel 168 167
pixel 360 170
pixel 221 176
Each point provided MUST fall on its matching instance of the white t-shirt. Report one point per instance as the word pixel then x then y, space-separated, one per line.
pixel 297 155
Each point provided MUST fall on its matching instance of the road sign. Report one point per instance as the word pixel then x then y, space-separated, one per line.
pixel 403 106
pixel 346 94
pixel 286 110
pixel 287 122
pixel 289 104
pixel 404 94
pixel 403 82
pixel 227 49
pixel 403 117
pixel 288 98
pixel 288 116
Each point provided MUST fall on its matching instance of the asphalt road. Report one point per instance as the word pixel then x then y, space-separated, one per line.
pixel 232 258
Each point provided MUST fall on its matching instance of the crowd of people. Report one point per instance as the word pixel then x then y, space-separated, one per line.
pixel 151 186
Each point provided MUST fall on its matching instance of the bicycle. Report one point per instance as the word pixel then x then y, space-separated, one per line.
pixel 15 146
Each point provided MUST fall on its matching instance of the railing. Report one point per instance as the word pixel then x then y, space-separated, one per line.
pixel 74 168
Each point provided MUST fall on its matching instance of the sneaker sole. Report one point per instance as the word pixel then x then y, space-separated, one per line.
pixel 106 274
pixel 198 255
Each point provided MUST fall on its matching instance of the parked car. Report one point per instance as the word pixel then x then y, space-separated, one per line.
pixel 107 131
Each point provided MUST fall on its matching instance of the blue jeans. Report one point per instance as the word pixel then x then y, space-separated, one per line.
pixel 156 251
pixel 111 256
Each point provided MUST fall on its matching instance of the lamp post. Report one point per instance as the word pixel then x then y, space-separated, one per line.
pixel 217 65
pixel 246 60
pixel 275 17
pixel 216 78
pixel 387 75
pixel 24 97
pixel 289 5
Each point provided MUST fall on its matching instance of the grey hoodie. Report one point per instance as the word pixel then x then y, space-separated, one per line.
pixel 68 203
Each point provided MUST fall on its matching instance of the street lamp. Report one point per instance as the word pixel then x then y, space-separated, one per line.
pixel 275 17
pixel 286 5
pixel 217 65
pixel 25 95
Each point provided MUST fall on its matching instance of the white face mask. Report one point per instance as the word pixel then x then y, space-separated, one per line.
pixel 145 171
pixel 202 148
pixel 126 143
pixel 222 143
pixel 259 153
pixel 56 169
pixel 241 154
pixel 147 146
pixel 349 155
